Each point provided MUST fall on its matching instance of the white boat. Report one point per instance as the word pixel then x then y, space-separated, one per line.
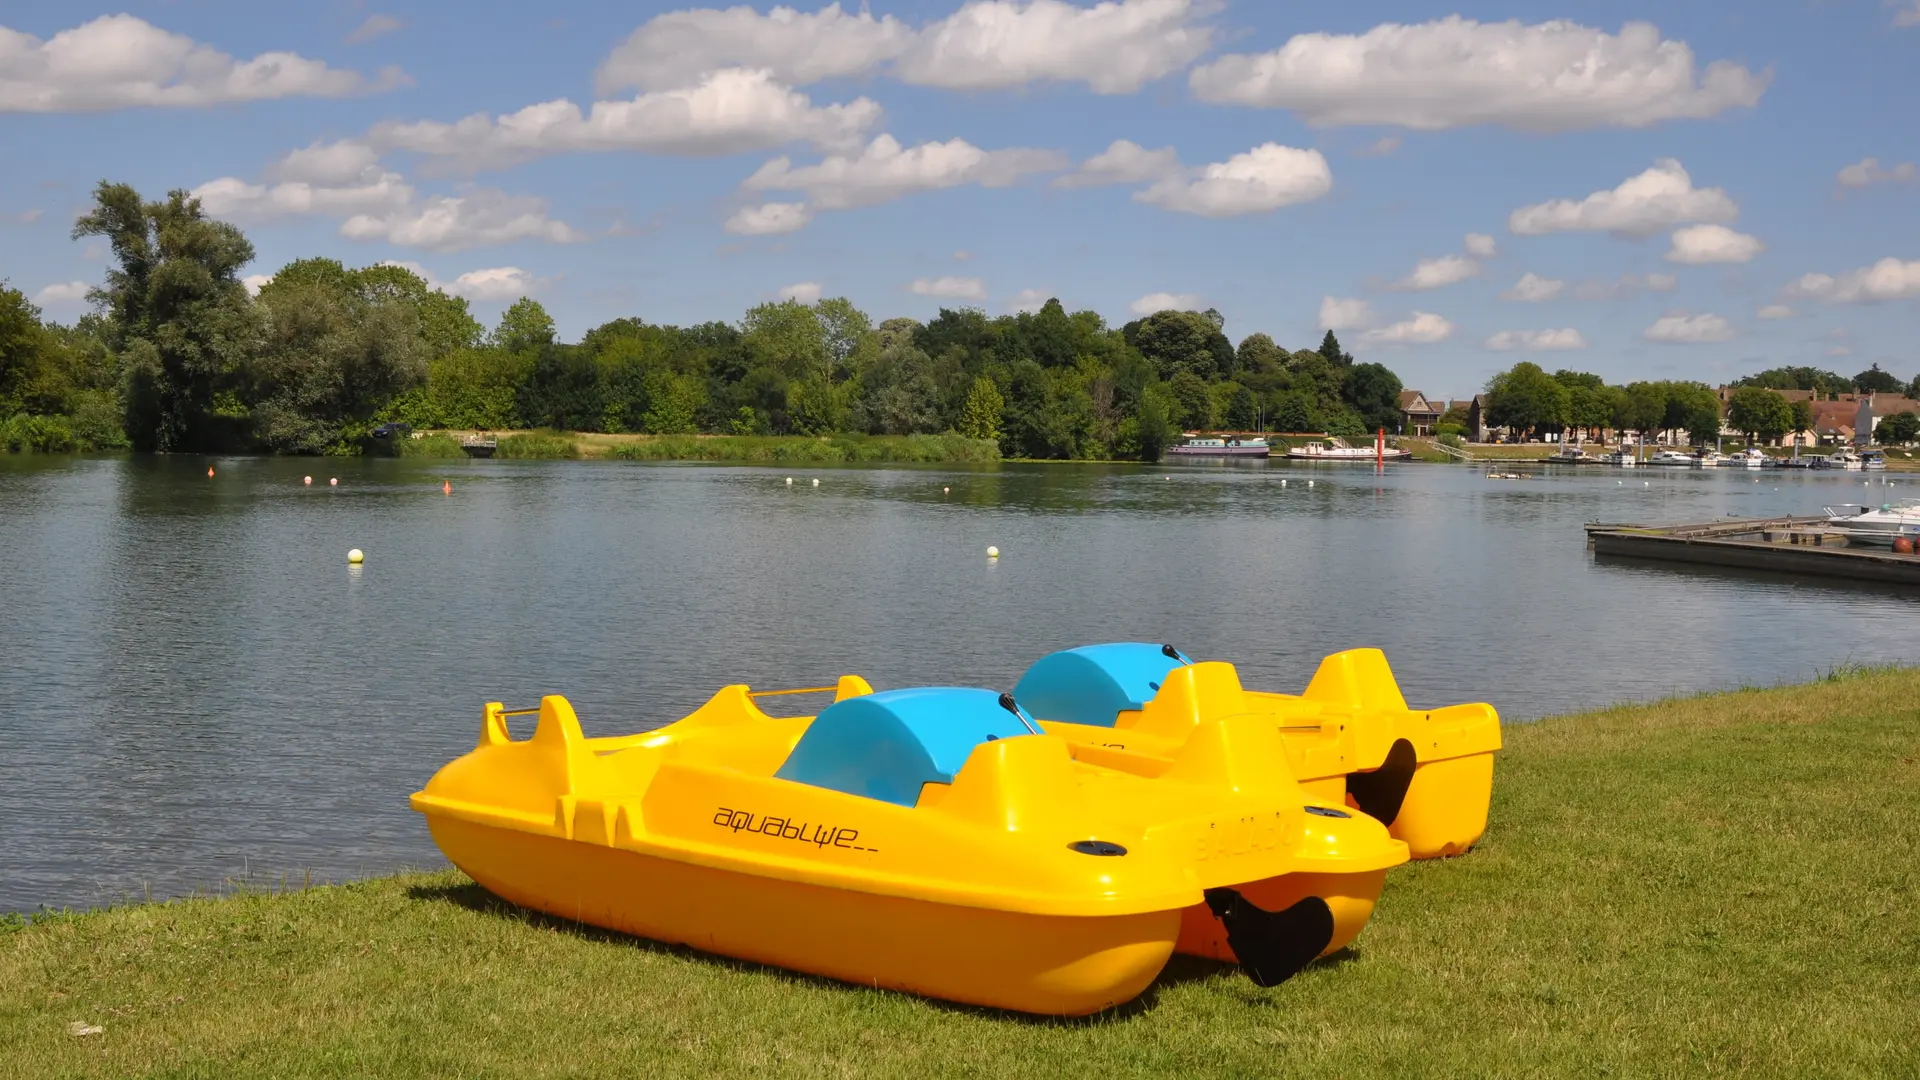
pixel 1876 526
pixel 1874 461
pixel 1622 457
pixel 1569 454
pixel 1228 447
pixel 1751 458
pixel 1712 459
pixel 1842 458
pixel 1672 457
pixel 1335 449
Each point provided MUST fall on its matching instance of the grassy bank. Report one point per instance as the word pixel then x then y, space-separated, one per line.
pixel 1720 885
pixel 752 449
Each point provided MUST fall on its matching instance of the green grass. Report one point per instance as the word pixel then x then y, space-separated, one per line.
pixel 802 448
pixel 1712 886
pixel 431 446
pixel 537 446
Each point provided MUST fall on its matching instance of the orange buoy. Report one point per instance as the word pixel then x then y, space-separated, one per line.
pixel 446 487
pixel 1902 545
pixel 209 470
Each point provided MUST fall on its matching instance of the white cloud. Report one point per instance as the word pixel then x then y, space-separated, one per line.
pixel 1029 300
pixel 1888 279
pixel 1684 329
pixel 119 62
pixel 67 292
pixel 1537 340
pixel 805 292
pixel 884 171
pixel 1380 147
pixel 498 284
pixel 1345 314
pixel 950 288
pixel 1114 47
pixel 1123 162
pixel 1439 273
pixel 963 255
pixel 229 198
pixel 375 26
pixel 1908 16
pixel 1265 178
pixel 1165 301
pixel 1623 286
pixel 25 217
pixel 477 217
pixel 796 48
pixel 1656 200
pixel 255 282
pixel 1453 72
pixel 1480 245
pixel 1701 244
pixel 728 112
pixel 1869 171
pixel 1421 328
pixel 769 219
pixel 344 161
pixel 1532 288
pixel 1776 311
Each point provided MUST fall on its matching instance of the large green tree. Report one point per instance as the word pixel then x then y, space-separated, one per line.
pixel 180 317
pixel 1763 414
pixel 1899 429
pixel 1525 398
pixel 330 360
pixel 1875 381
pixel 1374 393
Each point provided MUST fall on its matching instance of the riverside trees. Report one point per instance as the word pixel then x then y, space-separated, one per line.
pixel 178 356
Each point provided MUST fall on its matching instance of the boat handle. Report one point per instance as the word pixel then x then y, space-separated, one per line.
pixel 1020 714
pixel 520 712
pixel 801 690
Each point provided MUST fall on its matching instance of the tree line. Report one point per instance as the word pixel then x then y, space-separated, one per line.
pixel 1526 400
pixel 177 356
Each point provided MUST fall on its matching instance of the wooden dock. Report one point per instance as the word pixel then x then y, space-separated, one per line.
pixel 1804 546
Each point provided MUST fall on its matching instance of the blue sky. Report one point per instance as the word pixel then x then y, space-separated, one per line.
pixel 1679 190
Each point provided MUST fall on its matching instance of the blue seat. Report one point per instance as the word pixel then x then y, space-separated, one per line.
pixel 886 745
pixel 1093 684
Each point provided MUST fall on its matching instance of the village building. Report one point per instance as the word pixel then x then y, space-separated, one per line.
pixel 1419 415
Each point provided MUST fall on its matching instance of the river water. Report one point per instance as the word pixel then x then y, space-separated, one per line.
pixel 196 688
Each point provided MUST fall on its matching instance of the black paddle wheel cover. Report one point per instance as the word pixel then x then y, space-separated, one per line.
pixel 1272 945
pixel 1379 793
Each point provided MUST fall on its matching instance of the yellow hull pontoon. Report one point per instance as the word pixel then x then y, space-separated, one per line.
pixel 935 841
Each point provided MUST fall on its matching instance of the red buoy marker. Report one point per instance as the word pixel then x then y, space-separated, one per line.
pixel 446 487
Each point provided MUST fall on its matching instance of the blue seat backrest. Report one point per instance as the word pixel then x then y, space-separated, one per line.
pixel 886 745
pixel 1093 684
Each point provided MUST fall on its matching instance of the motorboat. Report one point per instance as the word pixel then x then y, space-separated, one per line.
pixel 936 840
pixel 1622 457
pixel 1673 457
pixel 1224 447
pixel 1349 736
pixel 1873 460
pixel 1570 454
pixel 1336 449
pixel 1712 459
pixel 1751 458
pixel 1870 526
pixel 1843 458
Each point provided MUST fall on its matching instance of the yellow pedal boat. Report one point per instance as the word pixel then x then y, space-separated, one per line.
pixel 1349 738
pixel 936 841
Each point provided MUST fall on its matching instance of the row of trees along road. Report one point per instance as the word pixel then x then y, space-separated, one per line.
pixel 178 357
pixel 1528 401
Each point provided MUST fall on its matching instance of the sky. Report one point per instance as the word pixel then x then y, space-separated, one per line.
pixel 1678 190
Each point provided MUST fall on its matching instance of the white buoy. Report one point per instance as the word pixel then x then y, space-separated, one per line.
pixel 946 491
pixel 355 557
pixel 816 481
pixel 306 479
pixel 993 552
pixel 1283 483
pixel 333 481
pixel 1309 483
pixel 789 481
